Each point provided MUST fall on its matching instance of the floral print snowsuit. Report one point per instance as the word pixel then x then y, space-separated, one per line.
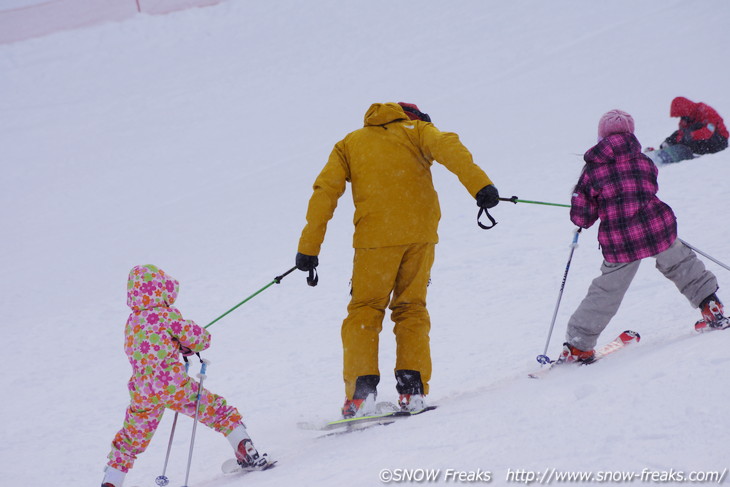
pixel 153 336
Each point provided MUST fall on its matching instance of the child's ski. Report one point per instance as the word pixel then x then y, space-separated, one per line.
pixel 231 466
pixel 625 338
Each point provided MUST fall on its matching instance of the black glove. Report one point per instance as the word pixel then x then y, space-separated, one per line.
pixel 306 262
pixel 487 197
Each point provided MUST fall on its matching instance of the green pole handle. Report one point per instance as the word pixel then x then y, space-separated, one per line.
pixel 276 280
pixel 516 200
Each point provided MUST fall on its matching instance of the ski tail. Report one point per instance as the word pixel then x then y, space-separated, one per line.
pixel 626 338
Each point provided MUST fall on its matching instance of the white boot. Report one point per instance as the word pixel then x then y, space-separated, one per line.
pixel 412 402
pixel 112 477
pixel 246 454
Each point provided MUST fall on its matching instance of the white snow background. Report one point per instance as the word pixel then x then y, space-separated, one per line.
pixel 191 141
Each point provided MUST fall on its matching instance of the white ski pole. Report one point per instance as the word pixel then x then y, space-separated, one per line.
pixel 203 368
pixel 544 359
pixel 162 480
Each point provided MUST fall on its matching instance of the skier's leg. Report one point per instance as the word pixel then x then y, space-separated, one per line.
pixel 214 412
pixel 140 423
pixel 716 143
pixel 411 318
pixel 680 265
pixel 373 278
pixel 600 304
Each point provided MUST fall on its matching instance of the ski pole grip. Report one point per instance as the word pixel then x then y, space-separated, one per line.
pixel 204 362
pixel 187 364
pixel 574 243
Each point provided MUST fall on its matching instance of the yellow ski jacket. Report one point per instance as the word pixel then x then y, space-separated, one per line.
pixel 388 162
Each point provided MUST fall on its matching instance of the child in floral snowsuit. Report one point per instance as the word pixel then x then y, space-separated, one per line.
pixel 155 335
pixel 618 186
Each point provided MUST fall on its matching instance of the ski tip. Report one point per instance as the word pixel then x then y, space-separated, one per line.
pixel 230 466
pixel 269 466
pixel 539 374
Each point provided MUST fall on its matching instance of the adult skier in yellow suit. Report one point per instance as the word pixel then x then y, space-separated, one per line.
pixel 388 162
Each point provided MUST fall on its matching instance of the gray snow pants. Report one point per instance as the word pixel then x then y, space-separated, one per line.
pixel 678 263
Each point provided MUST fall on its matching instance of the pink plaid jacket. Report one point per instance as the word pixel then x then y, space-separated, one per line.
pixel 618 186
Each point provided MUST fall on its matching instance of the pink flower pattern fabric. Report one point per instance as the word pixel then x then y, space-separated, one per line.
pixel 153 335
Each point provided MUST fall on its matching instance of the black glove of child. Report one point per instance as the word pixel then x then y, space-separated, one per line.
pixel 306 262
pixel 487 197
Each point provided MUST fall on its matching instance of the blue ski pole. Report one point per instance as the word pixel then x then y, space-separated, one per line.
pixel 162 480
pixel 203 368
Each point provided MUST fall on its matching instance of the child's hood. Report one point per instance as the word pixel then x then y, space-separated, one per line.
pixel 682 107
pixel 614 148
pixel 149 286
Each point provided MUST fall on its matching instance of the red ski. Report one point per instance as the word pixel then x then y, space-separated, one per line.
pixel 626 338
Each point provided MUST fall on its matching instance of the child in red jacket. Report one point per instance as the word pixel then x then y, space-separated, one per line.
pixel 700 127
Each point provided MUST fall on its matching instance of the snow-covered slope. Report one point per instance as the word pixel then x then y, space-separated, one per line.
pixel 190 141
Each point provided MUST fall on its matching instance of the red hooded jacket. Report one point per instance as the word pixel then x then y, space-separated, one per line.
pixel 699 119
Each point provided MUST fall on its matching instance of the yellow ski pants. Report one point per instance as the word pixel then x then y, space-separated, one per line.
pixel 389 275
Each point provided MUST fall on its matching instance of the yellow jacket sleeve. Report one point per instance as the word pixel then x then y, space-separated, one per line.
pixel 328 187
pixel 447 149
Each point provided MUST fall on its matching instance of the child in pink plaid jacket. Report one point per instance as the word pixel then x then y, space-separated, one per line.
pixel 155 336
pixel 618 186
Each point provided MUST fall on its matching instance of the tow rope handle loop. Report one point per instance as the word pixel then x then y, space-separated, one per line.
pixel 491 219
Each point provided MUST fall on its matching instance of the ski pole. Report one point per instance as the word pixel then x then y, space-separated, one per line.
pixel 544 359
pixel 276 280
pixel 705 255
pixel 162 480
pixel 203 367
pixel 516 200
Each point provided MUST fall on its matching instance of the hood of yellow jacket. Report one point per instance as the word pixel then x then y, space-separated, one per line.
pixel 384 113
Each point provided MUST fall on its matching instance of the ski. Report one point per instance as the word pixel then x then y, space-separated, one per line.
pixel 626 338
pixel 362 422
pixel 670 154
pixel 231 467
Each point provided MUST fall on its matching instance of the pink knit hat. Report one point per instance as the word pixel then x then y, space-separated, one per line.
pixel 615 122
